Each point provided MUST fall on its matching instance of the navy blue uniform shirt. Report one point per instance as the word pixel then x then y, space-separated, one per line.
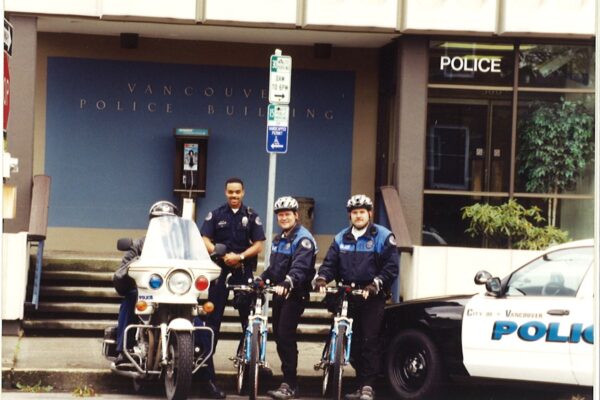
pixel 292 255
pixel 373 255
pixel 237 231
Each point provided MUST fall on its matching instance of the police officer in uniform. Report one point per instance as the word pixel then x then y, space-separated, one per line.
pixel 291 269
pixel 365 254
pixel 240 229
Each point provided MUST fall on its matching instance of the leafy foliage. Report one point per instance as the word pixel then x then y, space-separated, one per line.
pixel 512 221
pixel 84 391
pixel 37 388
pixel 556 145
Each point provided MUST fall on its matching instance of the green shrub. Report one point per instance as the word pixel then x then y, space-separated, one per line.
pixel 521 227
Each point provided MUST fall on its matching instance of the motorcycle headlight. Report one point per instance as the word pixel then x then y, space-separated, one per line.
pixel 179 282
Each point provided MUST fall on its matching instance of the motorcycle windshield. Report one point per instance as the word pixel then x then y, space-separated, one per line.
pixel 173 238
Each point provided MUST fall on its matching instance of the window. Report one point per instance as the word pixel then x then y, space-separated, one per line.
pixel 499 130
pixel 559 273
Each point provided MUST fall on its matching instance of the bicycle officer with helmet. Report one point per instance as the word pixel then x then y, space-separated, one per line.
pixel 291 269
pixel 125 285
pixel 365 254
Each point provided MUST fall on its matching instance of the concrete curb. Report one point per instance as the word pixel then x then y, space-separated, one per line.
pixel 104 381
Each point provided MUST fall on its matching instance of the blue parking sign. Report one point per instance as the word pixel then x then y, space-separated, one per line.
pixel 277 139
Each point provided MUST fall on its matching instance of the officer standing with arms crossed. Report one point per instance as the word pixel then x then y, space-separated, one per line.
pixel 239 228
pixel 365 254
pixel 291 269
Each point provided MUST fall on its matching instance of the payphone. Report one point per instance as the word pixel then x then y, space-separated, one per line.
pixel 191 146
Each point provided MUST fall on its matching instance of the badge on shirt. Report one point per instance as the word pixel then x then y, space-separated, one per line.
pixel 245 221
pixel 370 244
pixel 306 243
pixel 222 223
pixel 287 246
pixel 208 216
pixel 258 221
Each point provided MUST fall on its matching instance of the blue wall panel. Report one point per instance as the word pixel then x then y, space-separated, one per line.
pixel 110 143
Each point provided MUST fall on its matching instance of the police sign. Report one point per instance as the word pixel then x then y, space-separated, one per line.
pixel 277 128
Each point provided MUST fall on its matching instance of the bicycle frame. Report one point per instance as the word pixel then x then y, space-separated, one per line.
pixel 258 316
pixel 341 319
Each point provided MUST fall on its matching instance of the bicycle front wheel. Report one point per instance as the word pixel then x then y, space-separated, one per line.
pixel 241 366
pixel 338 363
pixel 327 368
pixel 254 361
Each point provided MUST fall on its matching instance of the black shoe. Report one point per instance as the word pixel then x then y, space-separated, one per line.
pixel 121 359
pixel 284 392
pixel 212 391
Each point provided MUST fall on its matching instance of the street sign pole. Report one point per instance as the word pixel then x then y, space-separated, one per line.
pixel 270 201
pixel 280 77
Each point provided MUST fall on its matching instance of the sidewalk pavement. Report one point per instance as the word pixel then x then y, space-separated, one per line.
pixel 70 362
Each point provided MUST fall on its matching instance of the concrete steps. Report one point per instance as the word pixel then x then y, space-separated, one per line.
pixel 77 298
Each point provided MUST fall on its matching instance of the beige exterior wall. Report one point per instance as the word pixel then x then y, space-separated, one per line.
pixel 362 61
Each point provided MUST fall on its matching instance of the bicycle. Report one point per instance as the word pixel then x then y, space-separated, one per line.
pixel 336 353
pixel 251 355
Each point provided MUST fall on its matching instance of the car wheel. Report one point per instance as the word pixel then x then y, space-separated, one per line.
pixel 414 366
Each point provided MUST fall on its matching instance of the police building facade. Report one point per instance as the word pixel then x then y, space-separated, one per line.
pixel 432 97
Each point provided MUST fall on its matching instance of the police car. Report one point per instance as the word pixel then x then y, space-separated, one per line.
pixel 535 325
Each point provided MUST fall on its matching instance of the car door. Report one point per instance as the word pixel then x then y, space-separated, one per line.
pixel 581 345
pixel 526 334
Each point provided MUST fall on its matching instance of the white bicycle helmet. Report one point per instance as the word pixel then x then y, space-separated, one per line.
pixel 359 201
pixel 161 208
pixel 285 203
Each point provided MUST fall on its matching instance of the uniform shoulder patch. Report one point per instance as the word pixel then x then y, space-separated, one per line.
pixel 392 240
pixel 306 243
pixel 208 216
pixel 258 221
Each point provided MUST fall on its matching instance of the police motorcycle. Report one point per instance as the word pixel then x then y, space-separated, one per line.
pixel 172 274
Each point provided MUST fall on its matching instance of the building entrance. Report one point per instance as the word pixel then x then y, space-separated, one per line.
pixel 468 153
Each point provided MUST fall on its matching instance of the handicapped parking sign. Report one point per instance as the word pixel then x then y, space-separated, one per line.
pixel 277 128
pixel 277 139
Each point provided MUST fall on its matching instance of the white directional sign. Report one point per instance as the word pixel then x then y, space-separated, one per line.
pixel 277 128
pixel 280 79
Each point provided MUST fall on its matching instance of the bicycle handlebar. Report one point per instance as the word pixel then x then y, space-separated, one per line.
pixel 248 288
pixel 357 292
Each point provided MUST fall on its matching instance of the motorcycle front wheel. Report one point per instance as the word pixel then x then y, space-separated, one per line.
pixel 178 374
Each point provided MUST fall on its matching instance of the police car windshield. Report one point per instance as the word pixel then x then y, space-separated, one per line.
pixel 173 238
pixel 559 273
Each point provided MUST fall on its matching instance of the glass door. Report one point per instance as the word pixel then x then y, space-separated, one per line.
pixel 468 148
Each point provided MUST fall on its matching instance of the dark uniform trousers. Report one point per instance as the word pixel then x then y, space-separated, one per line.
pixel 286 316
pixel 365 351
pixel 218 293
